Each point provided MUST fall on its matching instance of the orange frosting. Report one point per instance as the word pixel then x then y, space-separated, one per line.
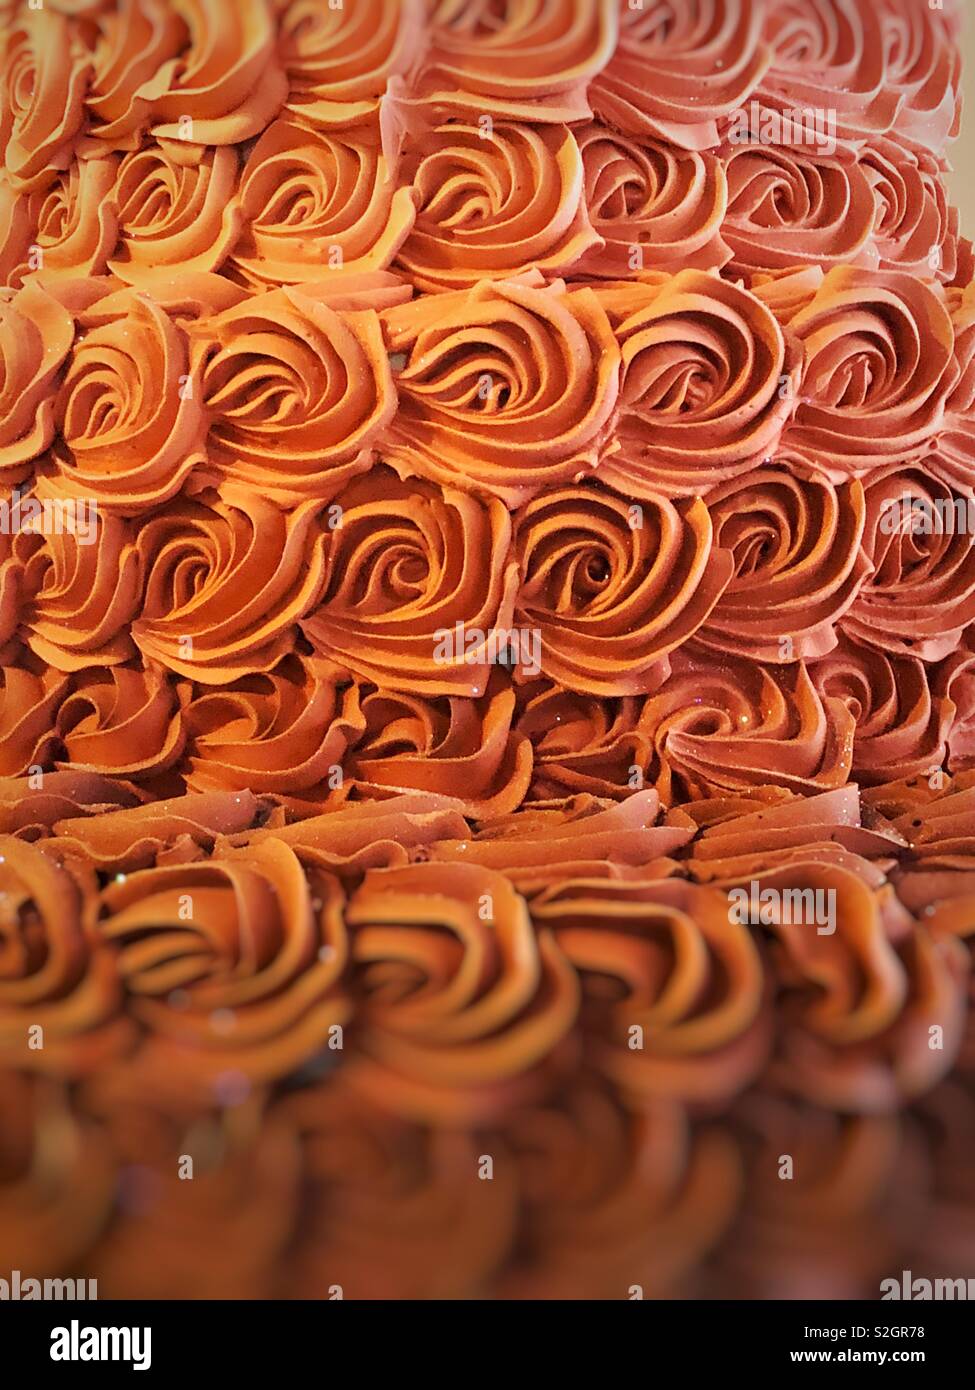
pixel 481 496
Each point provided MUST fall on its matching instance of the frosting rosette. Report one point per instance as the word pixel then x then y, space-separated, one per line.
pixel 582 743
pixel 798 558
pixel 789 207
pixel 225 85
pixel 232 966
pixel 57 1175
pixel 614 1194
pixel 71 225
pixel 224 578
pixel 492 203
pixel 30 695
pixel 36 334
pixel 878 368
pixel 80 584
pixel 956 680
pixel 672 988
pixel 461 1007
pixel 130 43
pixel 130 422
pixel 454 745
pixel 315 205
pixel 612 587
pixel 918 536
pixel 418 588
pixel 59 995
pixel 44 74
pixel 681 68
pixel 654 205
pixel 923 65
pixel 954 459
pixel 282 732
pixel 174 219
pixel 507 387
pixel 830 55
pixel 125 721
pixel 339 60
pixel 297 392
pixel 901 727
pixel 400 1229
pixel 915 229
pixel 526 59
pixel 739 725
pixel 707 385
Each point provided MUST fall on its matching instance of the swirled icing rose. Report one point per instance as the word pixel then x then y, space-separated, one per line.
pixel 529 61
pixel 36 333
pixel 740 725
pixel 915 230
pixel 224 577
pixel 173 219
pixel 463 747
pixel 507 387
pixel 866 1044
pixel 44 74
pixel 225 85
pixel 954 459
pixel 901 728
pixel 492 203
pixel 125 721
pixel 57 1175
pixel 339 60
pixel 399 1231
pixel 955 680
pixel 131 41
pixel 316 205
pixel 612 587
pixel 688 978
pixel 921 594
pixel 282 732
pixel 830 55
pixel 297 392
pixel 582 743
pixel 922 65
pixel 878 368
pixel 30 696
pixel 459 1003
pixel 615 1194
pixel 16 235
pixel 790 207
pixel 231 965
pixel 798 563
pixel 653 205
pixel 80 588
pixel 73 224
pixel 680 68
pixel 842 1220
pixel 408 566
pixel 707 387
pixel 52 974
pixel 130 422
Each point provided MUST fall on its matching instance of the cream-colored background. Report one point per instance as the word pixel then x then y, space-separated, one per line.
pixel 962 154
